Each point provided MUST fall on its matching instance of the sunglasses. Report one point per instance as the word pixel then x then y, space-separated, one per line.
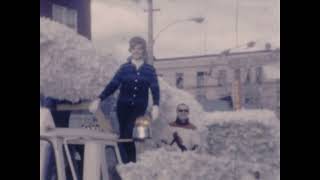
pixel 183 110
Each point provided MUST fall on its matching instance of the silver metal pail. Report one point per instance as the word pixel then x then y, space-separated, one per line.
pixel 142 129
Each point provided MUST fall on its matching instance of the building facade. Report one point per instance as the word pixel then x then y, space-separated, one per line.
pixel 74 13
pixel 210 78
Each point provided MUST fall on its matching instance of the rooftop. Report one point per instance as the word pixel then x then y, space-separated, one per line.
pixel 217 55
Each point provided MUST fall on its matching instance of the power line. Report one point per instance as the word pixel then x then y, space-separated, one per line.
pixel 206 30
pixel 236 21
pixel 205 38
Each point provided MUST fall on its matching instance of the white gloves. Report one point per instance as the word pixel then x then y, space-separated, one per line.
pixel 155 112
pixel 94 105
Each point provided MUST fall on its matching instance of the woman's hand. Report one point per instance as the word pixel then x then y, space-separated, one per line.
pixel 94 105
pixel 155 112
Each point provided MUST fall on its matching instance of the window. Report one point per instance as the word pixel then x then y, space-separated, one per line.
pixel 200 79
pixel 65 16
pixel 222 77
pixel 259 75
pixel 248 78
pixel 252 96
pixel 252 102
pixel 179 80
pixel 237 74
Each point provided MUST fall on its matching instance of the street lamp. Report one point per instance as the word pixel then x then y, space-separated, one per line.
pixel 151 43
pixel 151 40
pixel 194 19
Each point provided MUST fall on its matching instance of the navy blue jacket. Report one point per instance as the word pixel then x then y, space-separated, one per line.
pixel 134 85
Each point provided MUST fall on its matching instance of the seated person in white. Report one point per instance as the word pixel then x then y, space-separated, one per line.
pixel 183 135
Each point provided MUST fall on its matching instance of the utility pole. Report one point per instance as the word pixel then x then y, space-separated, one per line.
pixel 236 23
pixel 150 31
pixel 237 79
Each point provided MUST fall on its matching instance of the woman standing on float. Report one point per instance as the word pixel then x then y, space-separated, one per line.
pixel 134 78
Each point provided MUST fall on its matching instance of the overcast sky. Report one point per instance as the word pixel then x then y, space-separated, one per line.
pixel 115 21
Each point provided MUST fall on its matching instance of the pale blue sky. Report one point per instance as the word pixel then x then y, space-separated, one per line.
pixel 114 22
